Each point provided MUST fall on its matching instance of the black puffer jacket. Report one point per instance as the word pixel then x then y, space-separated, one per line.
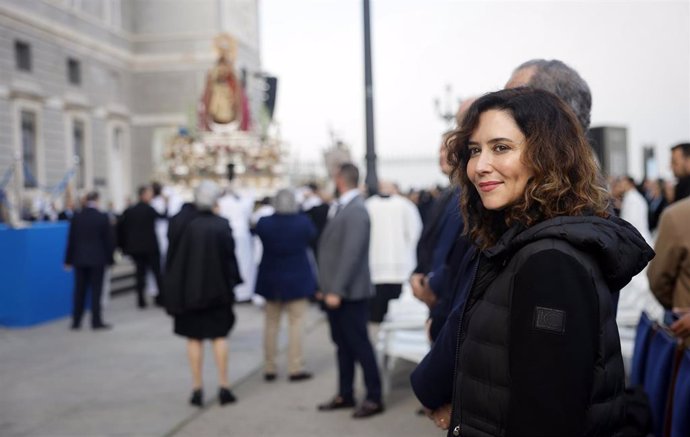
pixel 539 352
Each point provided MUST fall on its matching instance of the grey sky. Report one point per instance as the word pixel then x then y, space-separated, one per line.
pixel 635 56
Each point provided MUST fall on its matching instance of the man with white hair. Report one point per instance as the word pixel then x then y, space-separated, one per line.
pixel 556 77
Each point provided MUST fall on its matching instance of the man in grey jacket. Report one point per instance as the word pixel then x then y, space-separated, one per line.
pixel 346 289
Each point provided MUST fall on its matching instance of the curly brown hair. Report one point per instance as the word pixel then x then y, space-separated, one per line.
pixel 566 181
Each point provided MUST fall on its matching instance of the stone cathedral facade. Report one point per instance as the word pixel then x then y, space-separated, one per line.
pixel 108 82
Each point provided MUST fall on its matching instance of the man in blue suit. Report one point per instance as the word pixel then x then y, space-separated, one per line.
pixel 90 246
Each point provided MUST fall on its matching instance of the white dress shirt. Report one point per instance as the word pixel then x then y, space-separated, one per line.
pixel 342 202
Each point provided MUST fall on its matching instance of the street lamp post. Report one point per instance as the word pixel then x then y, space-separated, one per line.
pixel 446 111
pixel 371 177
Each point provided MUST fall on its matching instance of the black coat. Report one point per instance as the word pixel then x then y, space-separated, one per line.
pixel 137 230
pixel 539 352
pixel 66 215
pixel 431 231
pixel 682 188
pixel 177 225
pixel 203 269
pixel 318 216
pixel 90 240
pixel 656 207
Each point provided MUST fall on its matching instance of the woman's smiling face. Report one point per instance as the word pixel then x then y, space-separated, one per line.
pixel 495 165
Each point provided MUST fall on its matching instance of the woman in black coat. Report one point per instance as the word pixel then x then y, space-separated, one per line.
pixel 538 352
pixel 202 273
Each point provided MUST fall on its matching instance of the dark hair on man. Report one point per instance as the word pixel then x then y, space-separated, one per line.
pixel 685 147
pixel 142 189
pixel 313 187
pixel 560 79
pixel 566 177
pixel 92 196
pixel 350 174
pixel 157 188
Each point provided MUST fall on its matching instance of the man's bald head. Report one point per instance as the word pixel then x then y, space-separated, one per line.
pixel 558 78
pixel 387 188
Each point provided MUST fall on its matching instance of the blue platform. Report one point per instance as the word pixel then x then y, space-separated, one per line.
pixel 34 287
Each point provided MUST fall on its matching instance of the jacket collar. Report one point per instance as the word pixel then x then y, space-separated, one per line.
pixel 347 197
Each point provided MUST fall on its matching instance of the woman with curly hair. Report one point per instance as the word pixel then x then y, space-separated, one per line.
pixel 537 347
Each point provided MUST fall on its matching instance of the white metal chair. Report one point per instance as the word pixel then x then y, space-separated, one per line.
pixel 402 335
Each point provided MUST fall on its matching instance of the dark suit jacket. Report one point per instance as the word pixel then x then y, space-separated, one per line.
pixel 66 215
pixel 318 216
pixel 682 188
pixel 285 272
pixel 431 231
pixel 137 229
pixel 344 253
pixel 90 239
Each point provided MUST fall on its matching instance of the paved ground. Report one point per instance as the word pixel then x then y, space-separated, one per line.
pixel 134 381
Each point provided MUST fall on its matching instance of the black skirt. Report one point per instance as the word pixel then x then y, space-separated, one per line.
pixel 205 324
pixel 378 305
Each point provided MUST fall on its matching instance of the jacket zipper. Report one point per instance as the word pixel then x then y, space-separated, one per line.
pixel 456 428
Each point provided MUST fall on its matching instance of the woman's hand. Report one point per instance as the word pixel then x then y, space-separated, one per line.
pixel 441 416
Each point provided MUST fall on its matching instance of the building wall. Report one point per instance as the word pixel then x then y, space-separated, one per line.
pixel 142 137
pixel 143 66
pixel 55 152
pixel 99 141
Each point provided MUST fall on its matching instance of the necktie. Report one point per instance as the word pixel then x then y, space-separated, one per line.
pixel 335 209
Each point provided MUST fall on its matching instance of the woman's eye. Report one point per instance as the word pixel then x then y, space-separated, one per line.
pixel 474 151
pixel 501 147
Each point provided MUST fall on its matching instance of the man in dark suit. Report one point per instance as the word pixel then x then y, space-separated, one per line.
pixel 442 234
pixel 346 287
pixel 68 212
pixel 90 248
pixel 315 208
pixel 138 233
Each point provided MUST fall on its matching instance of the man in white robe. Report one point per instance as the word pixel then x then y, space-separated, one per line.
pixel 238 208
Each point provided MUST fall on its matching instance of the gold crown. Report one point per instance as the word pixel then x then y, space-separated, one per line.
pixel 226 46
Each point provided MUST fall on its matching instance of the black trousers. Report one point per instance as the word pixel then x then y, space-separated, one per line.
pixel 378 305
pixel 144 262
pixel 87 278
pixel 349 333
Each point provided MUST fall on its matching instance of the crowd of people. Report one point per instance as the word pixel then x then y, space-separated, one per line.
pixel 308 252
pixel 523 261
